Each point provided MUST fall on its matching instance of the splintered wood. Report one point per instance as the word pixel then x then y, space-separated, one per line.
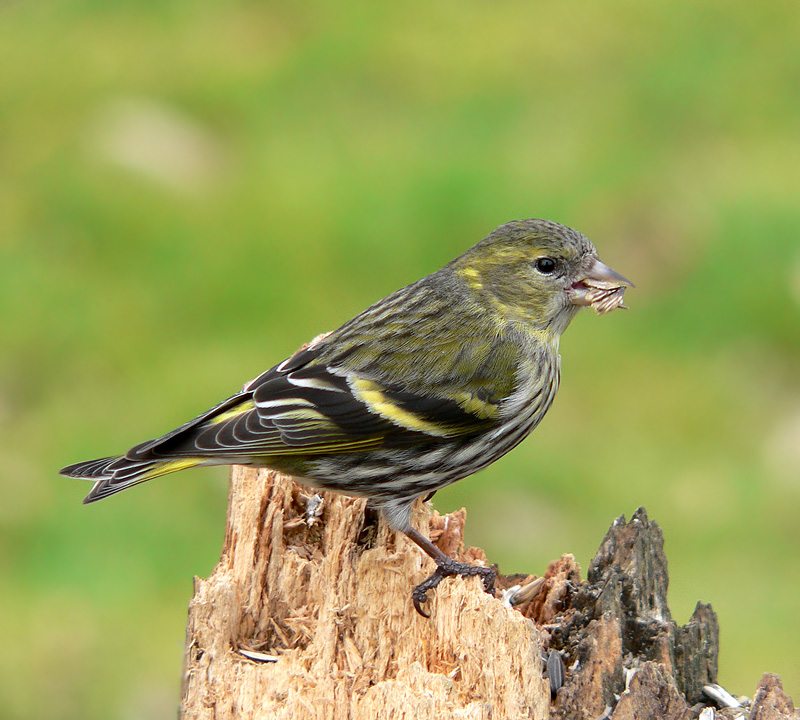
pixel 309 616
pixel 326 608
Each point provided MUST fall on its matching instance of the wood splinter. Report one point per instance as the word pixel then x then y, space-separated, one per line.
pixel 307 615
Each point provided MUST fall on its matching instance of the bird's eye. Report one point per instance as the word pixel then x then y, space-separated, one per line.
pixel 545 265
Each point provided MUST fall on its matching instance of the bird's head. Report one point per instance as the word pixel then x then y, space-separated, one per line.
pixel 540 273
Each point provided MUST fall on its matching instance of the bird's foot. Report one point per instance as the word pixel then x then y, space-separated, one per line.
pixel 447 567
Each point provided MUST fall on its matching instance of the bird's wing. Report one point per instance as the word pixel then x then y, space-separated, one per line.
pixel 306 406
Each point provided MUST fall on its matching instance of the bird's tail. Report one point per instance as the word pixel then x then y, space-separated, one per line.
pixel 113 474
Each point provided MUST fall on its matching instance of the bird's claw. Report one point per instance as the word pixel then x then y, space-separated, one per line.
pixel 450 568
pixel 419 596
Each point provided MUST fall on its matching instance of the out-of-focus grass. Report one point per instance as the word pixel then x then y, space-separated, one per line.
pixel 189 191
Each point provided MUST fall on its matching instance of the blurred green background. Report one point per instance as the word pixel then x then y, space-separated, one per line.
pixel 190 190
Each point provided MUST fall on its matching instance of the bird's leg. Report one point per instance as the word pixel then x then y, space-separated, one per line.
pixel 446 567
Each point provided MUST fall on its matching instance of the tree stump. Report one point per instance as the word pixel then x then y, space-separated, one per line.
pixel 308 615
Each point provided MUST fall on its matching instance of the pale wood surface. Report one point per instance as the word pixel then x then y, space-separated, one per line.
pixel 329 598
pixel 333 601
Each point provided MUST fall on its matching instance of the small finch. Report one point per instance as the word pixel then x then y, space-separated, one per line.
pixel 429 385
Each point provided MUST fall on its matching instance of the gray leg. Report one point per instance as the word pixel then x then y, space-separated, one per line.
pixel 446 567
pixel 398 515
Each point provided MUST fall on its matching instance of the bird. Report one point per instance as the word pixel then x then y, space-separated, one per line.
pixel 425 387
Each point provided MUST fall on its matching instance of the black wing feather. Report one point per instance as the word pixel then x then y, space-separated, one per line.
pixel 305 407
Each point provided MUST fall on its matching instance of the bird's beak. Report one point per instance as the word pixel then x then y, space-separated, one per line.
pixel 600 287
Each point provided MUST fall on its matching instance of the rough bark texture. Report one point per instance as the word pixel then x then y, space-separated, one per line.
pixel 620 620
pixel 327 595
pixel 771 703
pixel 333 602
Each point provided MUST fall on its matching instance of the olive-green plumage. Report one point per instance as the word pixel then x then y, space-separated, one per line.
pixel 425 387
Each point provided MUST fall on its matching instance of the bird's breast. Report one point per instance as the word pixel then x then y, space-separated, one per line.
pixel 537 383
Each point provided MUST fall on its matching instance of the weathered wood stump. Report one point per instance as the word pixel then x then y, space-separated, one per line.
pixel 308 615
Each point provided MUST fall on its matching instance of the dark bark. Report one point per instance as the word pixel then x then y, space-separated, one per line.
pixel 309 615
